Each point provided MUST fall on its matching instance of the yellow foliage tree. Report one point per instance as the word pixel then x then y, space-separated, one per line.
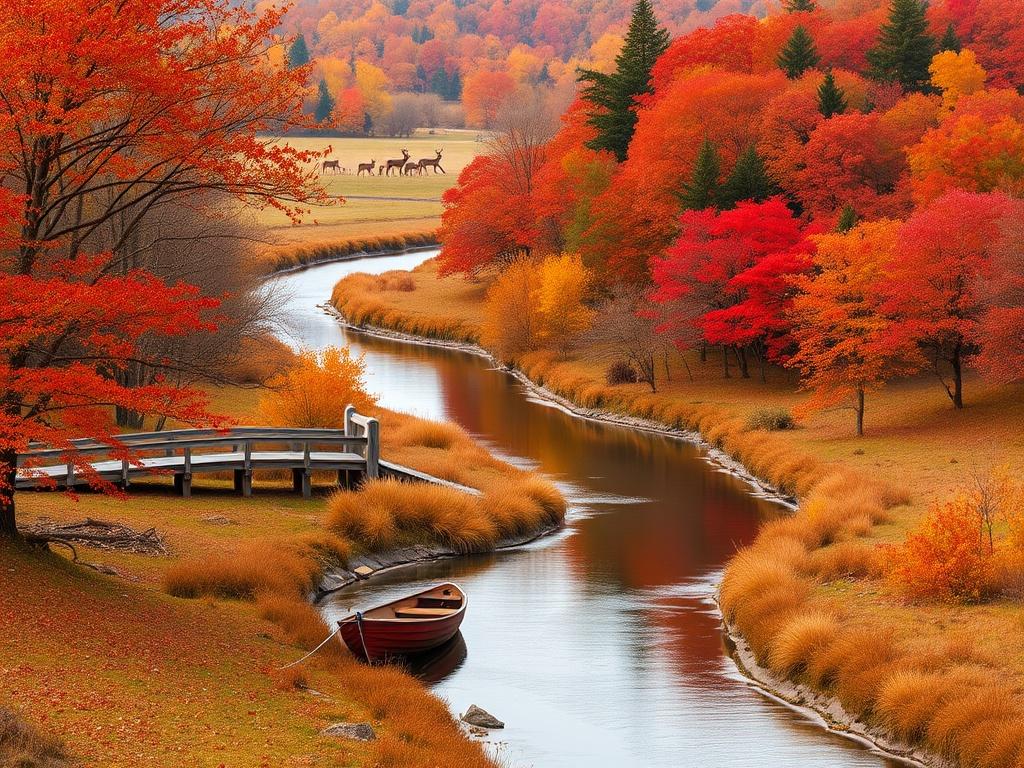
pixel 956 75
pixel 316 390
pixel 373 83
pixel 563 285
pixel 511 322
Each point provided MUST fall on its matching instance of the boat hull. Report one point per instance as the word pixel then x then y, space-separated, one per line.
pixel 374 639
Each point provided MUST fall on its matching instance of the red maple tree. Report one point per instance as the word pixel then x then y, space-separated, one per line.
pixel 108 111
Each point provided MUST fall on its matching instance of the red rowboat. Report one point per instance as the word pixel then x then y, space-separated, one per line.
pixel 405 626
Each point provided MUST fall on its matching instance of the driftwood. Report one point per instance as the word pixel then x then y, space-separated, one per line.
pixel 96 533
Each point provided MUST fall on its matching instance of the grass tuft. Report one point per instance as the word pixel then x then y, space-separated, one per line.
pixel 23 746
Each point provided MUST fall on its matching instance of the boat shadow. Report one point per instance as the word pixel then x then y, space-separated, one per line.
pixel 435 665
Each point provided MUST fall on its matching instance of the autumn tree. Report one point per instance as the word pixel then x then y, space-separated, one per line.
pixel 798 55
pixel 1002 294
pixel 931 288
pixel 483 96
pixel 727 275
pixel 315 391
pixel 614 95
pixel 511 323
pixel 625 327
pixel 800 6
pixel 564 284
pixel 950 41
pixel 844 348
pixel 831 98
pixel 956 74
pixel 905 47
pixel 324 109
pixel 135 106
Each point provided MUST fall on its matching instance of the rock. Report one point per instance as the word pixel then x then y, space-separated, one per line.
pixel 476 730
pixel 218 520
pixel 481 718
pixel 363 571
pixel 355 731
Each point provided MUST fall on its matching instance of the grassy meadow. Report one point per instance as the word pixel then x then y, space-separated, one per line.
pixel 811 596
pixel 376 205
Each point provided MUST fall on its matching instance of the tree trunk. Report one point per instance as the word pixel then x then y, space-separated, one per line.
pixel 703 353
pixel 860 412
pixel 958 379
pixel 8 522
pixel 725 361
pixel 741 358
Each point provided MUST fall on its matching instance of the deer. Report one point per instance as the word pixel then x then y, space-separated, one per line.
pixel 411 168
pixel 380 171
pixel 332 164
pixel 368 167
pixel 398 164
pixel 434 163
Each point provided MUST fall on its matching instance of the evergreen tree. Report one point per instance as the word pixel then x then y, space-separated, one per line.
pixel 847 219
pixel 439 83
pixel 831 98
pixel 298 53
pixel 702 191
pixel 324 103
pixel 614 94
pixel 798 55
pixel 950 41
pixel 749 180
pixel 455 87
pixel 795 6
pixel 904 48
pixel 367 124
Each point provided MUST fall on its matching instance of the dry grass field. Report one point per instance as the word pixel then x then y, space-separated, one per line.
pixel 810 594
pixel 376 205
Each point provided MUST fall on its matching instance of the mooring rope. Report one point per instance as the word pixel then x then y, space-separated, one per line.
pixel 326 639
pixel 359 626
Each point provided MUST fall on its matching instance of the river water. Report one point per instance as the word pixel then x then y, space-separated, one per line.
pixel 600 645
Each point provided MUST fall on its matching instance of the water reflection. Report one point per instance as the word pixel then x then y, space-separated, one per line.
pixel 598 646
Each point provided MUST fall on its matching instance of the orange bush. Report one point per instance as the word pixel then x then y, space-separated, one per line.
pixel 315 392
pixel 948 557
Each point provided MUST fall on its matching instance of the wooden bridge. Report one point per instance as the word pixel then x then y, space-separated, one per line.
pixel 354 453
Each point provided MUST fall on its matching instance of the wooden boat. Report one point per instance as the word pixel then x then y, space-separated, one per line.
pixel 409 625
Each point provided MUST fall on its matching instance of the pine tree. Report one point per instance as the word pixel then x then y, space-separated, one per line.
pixel 798 55
pixel 796 6
pixel 749 180
pixel 455 87
pixel 702 191
pixel 298 53
pixel 324 103
pixel 439 83
pixel 905 48
pixel 831 98
pixel 847 219
pixel 614 95
pixel 950 41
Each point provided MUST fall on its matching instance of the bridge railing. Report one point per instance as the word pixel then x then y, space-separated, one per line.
pixel 242 450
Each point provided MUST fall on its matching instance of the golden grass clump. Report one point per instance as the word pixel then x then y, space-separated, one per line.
pixel 802 637
pixel 429 434
pixel 290 256
pixel 300 621
pixel 24 746
pixel 846 559
pixel 909 698
pixel 965 727
pixel 282 566
pixel 854 665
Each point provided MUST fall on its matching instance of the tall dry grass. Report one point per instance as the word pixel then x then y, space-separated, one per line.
pixel 289 256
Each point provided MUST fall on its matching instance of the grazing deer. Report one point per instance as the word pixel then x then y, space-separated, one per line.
pixel 434 163
pixel 368 167
pixel 398 165
pixel 332 164
pixel 410 168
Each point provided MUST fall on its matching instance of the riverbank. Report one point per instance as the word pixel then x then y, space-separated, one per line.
pixel 90 647
pixel 856 494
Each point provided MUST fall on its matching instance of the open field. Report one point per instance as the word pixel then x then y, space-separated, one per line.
pixel 127 675
pixel 810 595
pixel 376 205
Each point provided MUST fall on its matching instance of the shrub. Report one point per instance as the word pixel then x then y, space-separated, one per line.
pixel 802 637
pixel 621 372
pixel 771 419
pixel 947 557
pixel 315 392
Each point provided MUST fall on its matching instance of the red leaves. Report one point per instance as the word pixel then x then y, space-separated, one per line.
pixel 728 273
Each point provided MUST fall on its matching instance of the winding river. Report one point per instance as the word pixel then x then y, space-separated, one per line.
pixel 598 646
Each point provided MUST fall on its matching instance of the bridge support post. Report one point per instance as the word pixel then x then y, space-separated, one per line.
pixel 238 473
pixel 183 484
pixel 301 481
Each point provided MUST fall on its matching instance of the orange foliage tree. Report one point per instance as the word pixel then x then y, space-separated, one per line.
pixel 109 110
pixel 844 345
pixel 316 390
pixel 484 94
pixel 1002 324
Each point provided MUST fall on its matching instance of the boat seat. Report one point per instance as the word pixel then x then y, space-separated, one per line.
pixel 423 613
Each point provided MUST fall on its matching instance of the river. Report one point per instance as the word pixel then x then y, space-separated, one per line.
pixel 600 645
